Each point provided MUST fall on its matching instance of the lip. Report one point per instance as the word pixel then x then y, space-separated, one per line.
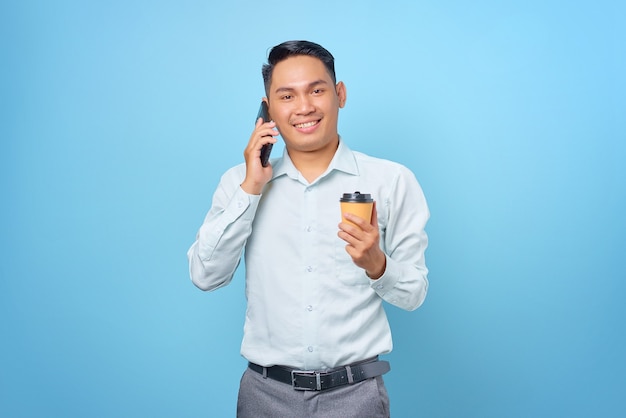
pixel 309 125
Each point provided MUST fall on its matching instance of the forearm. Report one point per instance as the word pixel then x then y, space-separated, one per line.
pixel 216 253
pixel 404 282
pixel 403 285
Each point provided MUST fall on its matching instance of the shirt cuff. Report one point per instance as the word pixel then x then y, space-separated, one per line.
pixel 245 204
pixel 241 206
pixel 388 280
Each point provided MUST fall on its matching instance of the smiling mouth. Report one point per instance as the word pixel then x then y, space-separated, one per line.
pixel 306 124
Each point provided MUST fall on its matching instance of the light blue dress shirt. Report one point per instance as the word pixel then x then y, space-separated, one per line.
pixel 309 306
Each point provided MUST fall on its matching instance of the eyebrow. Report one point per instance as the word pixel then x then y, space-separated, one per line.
pixel 310 85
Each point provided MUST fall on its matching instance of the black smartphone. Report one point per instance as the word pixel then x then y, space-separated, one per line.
pixel 267 148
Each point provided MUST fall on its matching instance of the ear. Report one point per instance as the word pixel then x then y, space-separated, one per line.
pixel 342 94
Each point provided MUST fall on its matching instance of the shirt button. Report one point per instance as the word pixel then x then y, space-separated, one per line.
pixel 309 269
pixel 309 308
pixel 308 229
pixel 380 286
pixel 310 348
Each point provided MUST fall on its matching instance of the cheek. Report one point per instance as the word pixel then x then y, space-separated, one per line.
pixel 282 127
pixel 280 115
pixel 281 120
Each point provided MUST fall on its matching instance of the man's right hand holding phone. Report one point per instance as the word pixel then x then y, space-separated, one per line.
pixel 257 176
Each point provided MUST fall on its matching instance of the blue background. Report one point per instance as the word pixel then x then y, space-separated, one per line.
pixel 118 117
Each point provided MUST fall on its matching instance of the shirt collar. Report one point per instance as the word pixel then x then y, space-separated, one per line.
pixel 342 161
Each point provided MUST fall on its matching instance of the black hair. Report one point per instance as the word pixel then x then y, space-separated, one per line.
pixel 292 48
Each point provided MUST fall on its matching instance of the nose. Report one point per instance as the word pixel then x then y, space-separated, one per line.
pixel 305 105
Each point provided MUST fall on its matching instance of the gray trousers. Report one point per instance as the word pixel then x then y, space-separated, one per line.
pixel 259 397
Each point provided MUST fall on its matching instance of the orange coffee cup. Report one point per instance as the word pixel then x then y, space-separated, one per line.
pixel 357 203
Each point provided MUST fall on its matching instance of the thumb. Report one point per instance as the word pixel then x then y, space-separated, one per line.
pixel 374 219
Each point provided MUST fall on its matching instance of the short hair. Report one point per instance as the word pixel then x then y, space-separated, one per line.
pixel 293 48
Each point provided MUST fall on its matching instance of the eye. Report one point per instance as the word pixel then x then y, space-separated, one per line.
pixel 317 92
pixel 286 97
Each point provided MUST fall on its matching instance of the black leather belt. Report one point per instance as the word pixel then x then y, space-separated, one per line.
pixel 322 380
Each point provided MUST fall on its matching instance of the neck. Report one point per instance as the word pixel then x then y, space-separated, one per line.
pixel 312 164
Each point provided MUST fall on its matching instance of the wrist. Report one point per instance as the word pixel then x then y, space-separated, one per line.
pixel 377 273
pixel 251 188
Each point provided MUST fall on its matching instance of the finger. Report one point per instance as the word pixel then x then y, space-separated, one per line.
pixel 267 130
pixel 350 230
pixel 265 126
pixel 263 135
pixel 358 221
pixel 374 220
pixel 348 237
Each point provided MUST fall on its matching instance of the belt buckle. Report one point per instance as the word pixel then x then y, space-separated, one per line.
pixel 306 373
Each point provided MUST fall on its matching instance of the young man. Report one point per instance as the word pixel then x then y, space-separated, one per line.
pixel 315 286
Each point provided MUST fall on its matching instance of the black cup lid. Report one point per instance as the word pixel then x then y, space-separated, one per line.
pixel 357 197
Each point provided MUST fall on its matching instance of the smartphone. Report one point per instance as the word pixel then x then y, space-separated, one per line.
pixel 267 148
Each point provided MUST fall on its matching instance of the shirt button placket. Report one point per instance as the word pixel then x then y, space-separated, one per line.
pixel 310 282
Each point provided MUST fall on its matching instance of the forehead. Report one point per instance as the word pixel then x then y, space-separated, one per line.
pixel 299 70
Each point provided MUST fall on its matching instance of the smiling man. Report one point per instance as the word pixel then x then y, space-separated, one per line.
pixel 315 320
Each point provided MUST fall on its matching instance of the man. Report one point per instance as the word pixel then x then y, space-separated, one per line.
pixel 315 286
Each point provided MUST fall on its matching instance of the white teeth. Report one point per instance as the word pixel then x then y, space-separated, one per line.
pixel 306 125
